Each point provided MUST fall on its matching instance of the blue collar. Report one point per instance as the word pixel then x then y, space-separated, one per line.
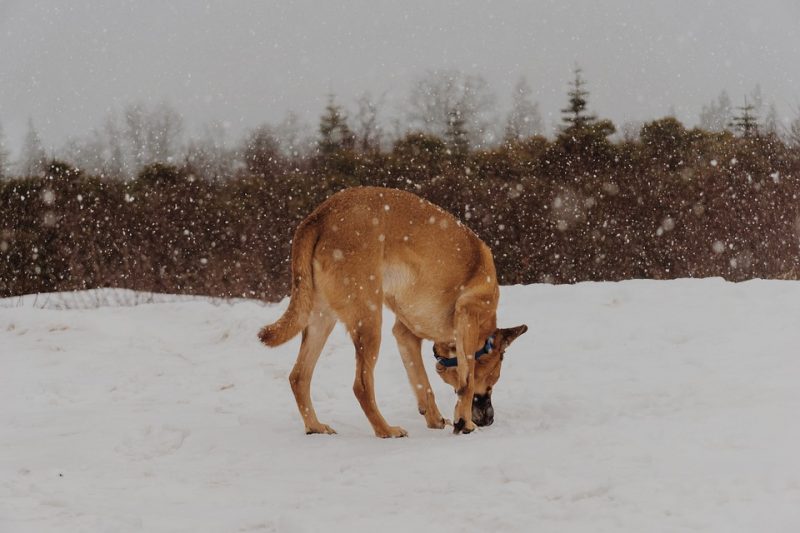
pixel 449 362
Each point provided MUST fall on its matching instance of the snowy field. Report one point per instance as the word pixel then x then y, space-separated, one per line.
pixel 639 406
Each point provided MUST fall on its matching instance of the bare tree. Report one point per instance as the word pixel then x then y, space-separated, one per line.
pixel 85 152
pixel 135 135
pixel 442 95
pixel 209 155
pixel 771 120
pixel 152 135
pixel 524 119
pixel 164 132
pixel 294 135
pixel 114 152
pixel 793 131
pixel 718 114
pixel 33 158
pixel 4 154
pixel 368 131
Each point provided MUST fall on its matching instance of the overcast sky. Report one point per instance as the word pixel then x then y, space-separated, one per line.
pixel 67 63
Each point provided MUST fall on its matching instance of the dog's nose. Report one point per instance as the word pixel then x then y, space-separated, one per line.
pixel 482 411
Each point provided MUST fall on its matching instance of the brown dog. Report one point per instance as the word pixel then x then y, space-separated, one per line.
pixel 366 247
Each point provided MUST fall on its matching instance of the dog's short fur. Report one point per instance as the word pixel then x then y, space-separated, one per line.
pixel 366 247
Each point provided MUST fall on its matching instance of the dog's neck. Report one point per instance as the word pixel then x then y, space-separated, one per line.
pixel 448 362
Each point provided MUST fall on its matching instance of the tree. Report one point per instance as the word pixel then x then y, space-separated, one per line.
pixel 262 152
pixel 334 133
pixel 135 126
pixel 33 159
pixel 295 138
pixel 368 132
pixel 747 121
pixel 771 120
pixel 575 115
pixel 665 140
pixel 717 115
pixel 115 155
pixel 456 135
pixel 440 96
pixel 153 135
pixel 793 133
pixel 209 156
pixel 4 154
pixel 524 119
pixel 164 131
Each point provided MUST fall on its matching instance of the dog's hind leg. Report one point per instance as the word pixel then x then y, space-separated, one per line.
pixel 410 350
pixel 366 335
pixel 315 334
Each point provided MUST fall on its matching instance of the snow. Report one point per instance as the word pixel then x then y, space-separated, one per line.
pixel 633 406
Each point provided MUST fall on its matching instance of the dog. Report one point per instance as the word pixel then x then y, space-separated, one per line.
pixel 367 247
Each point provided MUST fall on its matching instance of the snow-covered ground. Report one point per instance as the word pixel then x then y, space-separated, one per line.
pixel 635 406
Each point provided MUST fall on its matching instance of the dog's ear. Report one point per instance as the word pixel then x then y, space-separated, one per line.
pixel 508 335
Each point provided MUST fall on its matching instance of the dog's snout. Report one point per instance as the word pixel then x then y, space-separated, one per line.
pixel 482 410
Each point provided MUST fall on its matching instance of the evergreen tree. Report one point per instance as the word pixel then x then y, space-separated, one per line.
pixel 524 119
pixel 747 121
pixel 334 132
pixel 33 159
pixel 575 115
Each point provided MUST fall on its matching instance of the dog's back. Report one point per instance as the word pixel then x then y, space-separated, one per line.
pixel 367 246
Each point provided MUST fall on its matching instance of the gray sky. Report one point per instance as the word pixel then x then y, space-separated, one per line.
pixel 66 64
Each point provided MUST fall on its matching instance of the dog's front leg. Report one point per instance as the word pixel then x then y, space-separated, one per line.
pixel 462 418
pixel 410 350
pixel 466 342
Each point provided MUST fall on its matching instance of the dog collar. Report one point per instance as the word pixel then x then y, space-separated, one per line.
pixel 449 362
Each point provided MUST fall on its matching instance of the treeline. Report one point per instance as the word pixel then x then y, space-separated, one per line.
pixel 667 202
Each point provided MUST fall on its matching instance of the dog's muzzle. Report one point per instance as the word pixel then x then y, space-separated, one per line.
pixel 482 411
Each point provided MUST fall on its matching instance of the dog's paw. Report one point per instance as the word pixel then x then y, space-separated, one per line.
pixel 392 432
pixel 320 429
pixel 463 427
pixel 439 423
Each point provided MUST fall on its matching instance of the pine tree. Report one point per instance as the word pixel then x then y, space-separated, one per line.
pixel 33 159
pixel 524 119
pixel 746 122
pixel 575 115
pixel 334 132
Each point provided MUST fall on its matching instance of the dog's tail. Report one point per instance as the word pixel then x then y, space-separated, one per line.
pixel 295 319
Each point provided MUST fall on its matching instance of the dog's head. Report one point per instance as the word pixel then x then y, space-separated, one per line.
pixel 487 371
